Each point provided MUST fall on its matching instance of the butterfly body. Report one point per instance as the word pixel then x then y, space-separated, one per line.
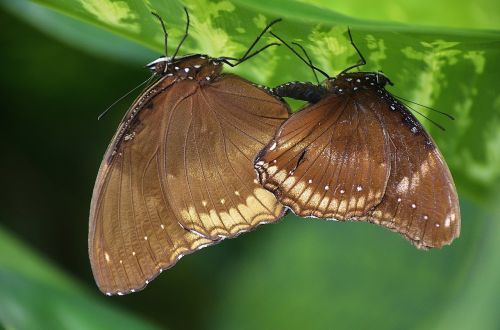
pixel 358 153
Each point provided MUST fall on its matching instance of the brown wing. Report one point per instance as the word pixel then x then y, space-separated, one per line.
pixel 134 233
pixel 155 172
pixel 210 144
pixel 330 160
pixel 420 201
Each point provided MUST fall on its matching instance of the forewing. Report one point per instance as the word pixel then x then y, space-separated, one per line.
pixel 208 158
pixel 420 201
pixel 330 160
pixel 134 233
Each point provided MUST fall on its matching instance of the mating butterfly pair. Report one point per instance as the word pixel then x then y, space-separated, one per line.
pixel 179 173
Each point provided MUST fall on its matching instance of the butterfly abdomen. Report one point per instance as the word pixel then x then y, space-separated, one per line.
pixel 302 91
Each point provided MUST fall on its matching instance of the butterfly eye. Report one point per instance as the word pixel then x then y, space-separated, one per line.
pixel 159 65
pixel 382 79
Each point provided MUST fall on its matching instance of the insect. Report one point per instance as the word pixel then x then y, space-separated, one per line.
pixel 356 152
pixel 178 174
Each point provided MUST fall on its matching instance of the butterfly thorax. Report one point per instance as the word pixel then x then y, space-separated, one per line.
pixel 352 82
pixel 192 67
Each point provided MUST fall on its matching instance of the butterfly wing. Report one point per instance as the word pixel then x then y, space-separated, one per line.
pixel 330 160
pixel 211 182
pixel 420 201
pixel 134 233
pixel 179 147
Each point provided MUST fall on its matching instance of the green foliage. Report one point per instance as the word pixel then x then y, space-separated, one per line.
pixel 304 273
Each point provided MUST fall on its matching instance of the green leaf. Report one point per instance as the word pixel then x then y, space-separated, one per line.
pixel 87 37
pixel 310 274
pixel 480 14
pixel 36 295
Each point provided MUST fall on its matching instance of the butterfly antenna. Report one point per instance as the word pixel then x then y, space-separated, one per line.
pixel 430 120
pixel 427 107
pixel 185 34
pixel 362 58
pixel 165 34
pixel 309 59
pixel 300 56
pixel 124 96
pixel 247 54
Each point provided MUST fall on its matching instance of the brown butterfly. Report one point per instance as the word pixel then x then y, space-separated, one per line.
pixel 178 174
pixel 356 152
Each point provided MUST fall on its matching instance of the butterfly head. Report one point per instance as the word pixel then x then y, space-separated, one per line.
pixel 159 66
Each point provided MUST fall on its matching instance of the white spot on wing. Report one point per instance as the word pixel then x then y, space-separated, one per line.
pixel 273 146
pixel 272 169
pixel 403 185
pixel 106 256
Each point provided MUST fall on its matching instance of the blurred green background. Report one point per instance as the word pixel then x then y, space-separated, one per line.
pixel 65 61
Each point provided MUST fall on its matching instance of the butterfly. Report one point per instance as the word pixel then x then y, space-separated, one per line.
pixel 357 153
pixel 178 174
